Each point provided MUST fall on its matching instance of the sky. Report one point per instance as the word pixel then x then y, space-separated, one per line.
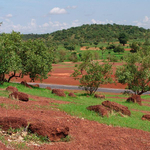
pixel 47 16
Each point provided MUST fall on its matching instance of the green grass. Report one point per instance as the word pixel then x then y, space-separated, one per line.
pixel 77 107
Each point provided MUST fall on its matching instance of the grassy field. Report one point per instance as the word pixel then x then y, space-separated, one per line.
pixel 77 106
pixel 106 53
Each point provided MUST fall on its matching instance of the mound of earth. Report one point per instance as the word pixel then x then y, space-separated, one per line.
pixel 12 122
pixel 53 132
pixel 99 109
pixel 71 94
pixel 11 89
pixel 135 99
pixel 58 92
pixel 117 107
pixel 99 96
pixel 19 96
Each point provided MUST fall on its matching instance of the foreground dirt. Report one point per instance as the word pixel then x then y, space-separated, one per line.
pixel 85 134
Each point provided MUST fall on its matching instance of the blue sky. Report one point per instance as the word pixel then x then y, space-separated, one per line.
pixel 46 16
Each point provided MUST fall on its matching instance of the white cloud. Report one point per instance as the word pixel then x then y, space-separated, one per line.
pixel 6 17
pixel 94 21
pixel 45 25
pixel 146 19
pixel 33 27
pixel 33 23
pixel 9 16
pixel 75 23
pixel 57 11
pixel 101 22
pixel 145 23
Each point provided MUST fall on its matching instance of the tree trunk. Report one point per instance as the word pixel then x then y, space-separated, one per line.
pixel 2 76
pixel 13 75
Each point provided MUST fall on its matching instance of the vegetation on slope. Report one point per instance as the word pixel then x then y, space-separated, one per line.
pixel 93 33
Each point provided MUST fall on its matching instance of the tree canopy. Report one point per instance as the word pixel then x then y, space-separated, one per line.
pixel 91 74
pixel 123 38
pixel 136 71
pixel 19 58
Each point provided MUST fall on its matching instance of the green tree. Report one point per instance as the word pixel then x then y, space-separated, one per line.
pixel 146 43
pixel 102 48
pixel 134 47
pixel 119 49
pixel 20 58
pixel 73 57
pixel 136 71
pixel 93 76
pixel 62 55
pixel 11 47
pixel 96 43
pixel 69 46
pixel 112 46
pixel 36 59
pixel 123 38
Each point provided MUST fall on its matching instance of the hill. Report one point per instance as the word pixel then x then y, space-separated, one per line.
pixel 94 32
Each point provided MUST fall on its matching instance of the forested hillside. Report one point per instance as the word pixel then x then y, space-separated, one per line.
pixel 91 33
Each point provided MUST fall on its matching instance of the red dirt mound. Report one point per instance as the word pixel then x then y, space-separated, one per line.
pixel 99 109
pixel 11 89
pixel 71 94
pixel 54 133
pixel 117 107
pixel 146 117
pixel 19 96
pixel 12 122
pixel 135 99
pixel 99 96
pixel 58 92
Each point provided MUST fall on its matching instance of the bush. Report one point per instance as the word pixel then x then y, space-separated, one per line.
pixel 118 49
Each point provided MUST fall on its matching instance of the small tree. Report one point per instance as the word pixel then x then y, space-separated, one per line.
pixel 119 49
pixel 62 55
pixel 94 75
pixel 73 57
pixel 134 47
pixel 123 38
pixel 103 50
pixel 136 72
pixel 96 43
pixel 86 58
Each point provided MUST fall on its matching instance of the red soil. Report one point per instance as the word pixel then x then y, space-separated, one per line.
pixel 61 75
pixel 93 48
pixel 85 134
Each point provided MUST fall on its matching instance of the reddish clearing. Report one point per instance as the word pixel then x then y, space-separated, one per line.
pixel 61 74
pixel 85 134
pixel 96 48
